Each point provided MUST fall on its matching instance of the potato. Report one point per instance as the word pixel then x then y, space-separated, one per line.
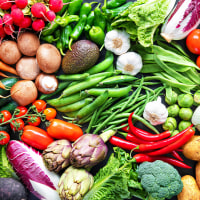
pixel 190 189
pixel 9 52
pixel 191 149
pixel 28 43
pixel 197 172
pixel 48 58
pixel 27 68
pixel 24 92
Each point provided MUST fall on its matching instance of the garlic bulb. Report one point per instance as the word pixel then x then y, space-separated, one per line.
pixel 129 63
pixel 155 112
pixel 117 41
pixel 196 118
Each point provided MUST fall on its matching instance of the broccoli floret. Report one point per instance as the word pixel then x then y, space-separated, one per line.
pixel 160 179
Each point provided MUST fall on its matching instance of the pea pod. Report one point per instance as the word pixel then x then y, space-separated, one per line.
pixel 73 77
pixel 75 106
pixel 112 92
pixel 67 100
pixel 90 108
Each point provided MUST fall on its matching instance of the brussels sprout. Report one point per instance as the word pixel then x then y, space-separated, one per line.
pixel 183 125
pixel 172 99
pixel 174 133
pixel 185 113
pixel 197 97
pixel 170 124
pixel 185 100
pixel 173 110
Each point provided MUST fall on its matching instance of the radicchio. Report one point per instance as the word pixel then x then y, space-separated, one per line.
pixel 182 20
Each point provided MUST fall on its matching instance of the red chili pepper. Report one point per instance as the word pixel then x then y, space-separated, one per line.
pixel 144 134
pixel 124 144
pixel 126 128
pixel 162 143
pixel 175 145
pixel 139 158
pixel 176 155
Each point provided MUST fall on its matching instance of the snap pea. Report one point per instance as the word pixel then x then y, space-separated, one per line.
pixel 112 92
pixel 74 7
pixel 75 106
pixel 89 82
pixel 70 114
pixel 90 108
pixel 73 77
pixel 67 100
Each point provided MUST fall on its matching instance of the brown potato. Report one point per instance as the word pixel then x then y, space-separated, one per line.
pixel 197 172
pixel 190 189
pixel 191 149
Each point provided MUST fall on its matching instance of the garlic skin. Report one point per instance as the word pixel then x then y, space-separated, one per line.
pixel 129 63
pixel 155 112
pixel 117 41
pixel 196 118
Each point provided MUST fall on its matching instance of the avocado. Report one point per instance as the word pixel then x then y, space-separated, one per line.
pixel 83 55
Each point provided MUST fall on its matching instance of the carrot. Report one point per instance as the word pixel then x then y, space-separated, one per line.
pixel 2 85
pixel 7 68
pixel 3 75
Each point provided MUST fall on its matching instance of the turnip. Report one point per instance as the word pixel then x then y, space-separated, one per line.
pixel 17 16
pixel 55 5
pixel 21 3
pixel 38 24
pixel 5 4
pixel 38 10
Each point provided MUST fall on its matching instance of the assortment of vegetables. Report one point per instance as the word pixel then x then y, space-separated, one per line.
pixel 64 103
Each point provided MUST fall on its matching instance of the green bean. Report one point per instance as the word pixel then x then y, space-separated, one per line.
pixel 93 118
pixel 67 100
pixel 75 106
pixel 117 122
pixel 112 92
pixel 90 108
pixel 143 87
pixel 85 119
pixel 73 77
pixel 89 82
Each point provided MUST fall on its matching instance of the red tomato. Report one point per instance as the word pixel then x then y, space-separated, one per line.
pixel 4 137
pixel 193 41
pixel 198 61
pixel 22 110
pixel 5 115
pixel 36 137
pixel 34 120
pixel 50 113
pixel 17 125
pixel 40 105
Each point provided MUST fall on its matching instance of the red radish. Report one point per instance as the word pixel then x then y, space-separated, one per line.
pixel 21 3
pixel 17 15
pixel 2 34
pixel 14 6
pixel 7 19
pixel 26 22
pixel 38 10
pixel 50 15
pixel 5 4
pixel 1 23
pixel 55 5
pixel 38 24
pixel 9 30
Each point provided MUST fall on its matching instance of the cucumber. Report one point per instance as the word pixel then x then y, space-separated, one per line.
pixel 9 106
pixel 8 82
pixel 3 101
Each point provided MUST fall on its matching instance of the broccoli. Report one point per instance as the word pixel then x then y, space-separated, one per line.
pixel 160 179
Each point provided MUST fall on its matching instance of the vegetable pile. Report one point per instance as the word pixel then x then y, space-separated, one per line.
pixel 98 100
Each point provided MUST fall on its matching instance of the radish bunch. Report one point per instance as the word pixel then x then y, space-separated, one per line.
pixel 14 17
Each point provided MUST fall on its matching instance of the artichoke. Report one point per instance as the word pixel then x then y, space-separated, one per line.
pixel 56 155
pixel 74 183
pixel 89 149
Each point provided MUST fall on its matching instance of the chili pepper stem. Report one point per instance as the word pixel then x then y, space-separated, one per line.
pixel 70 43
pixel 107 134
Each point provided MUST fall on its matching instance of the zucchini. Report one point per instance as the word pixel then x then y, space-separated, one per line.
pixel 10 106
pixel 3 101
pixel 8 82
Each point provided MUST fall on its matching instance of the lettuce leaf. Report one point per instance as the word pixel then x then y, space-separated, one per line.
pixel 117 180
pixel 142 18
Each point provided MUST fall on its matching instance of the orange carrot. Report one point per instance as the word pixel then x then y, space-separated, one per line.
pixel 7 68
pixel 2 85
pixel 3 75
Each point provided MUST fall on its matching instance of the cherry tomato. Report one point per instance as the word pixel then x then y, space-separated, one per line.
pixel 36 137
pixel 4 137
pixel 40 105
pixel 198 61
pixel 34 120
pixel 5 115
pixel 61 129
pixel 193 41
pixel 50 113
pixel 22 110
pixel 17 124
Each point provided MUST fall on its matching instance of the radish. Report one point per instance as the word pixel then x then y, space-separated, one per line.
pixel 55 5
pixel 21 3
pixel 38 10
pixel 17 15
pixel 14 6
pixel 2 34
pixel 5 4
pixel 27 21
pixel 9 30
pixel 1 23
pixel 38 24
pixel 50 15
pixel 7 19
